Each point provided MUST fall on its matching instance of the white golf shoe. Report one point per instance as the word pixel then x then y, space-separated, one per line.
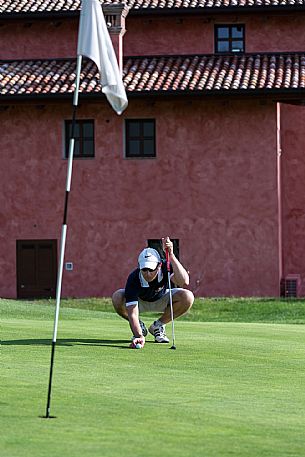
pixel 157 329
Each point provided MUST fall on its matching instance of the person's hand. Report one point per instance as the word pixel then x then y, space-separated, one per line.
pixel 137 340
pixel 167 244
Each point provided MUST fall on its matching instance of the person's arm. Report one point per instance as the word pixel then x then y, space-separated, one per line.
pixel 180 276
pixel 132 289
pixel 133 317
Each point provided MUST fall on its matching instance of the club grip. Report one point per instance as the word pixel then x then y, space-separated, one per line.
pixel 167 260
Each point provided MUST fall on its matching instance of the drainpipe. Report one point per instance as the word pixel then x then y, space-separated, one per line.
pixel 279 193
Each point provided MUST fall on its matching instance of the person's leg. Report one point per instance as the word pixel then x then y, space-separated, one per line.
pixel 182 301
pixel 118 301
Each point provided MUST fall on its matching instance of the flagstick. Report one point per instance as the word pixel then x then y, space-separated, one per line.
pixel 64 232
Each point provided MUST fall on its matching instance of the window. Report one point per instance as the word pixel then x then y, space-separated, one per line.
pixel 229 38
pixel 84 138
pixel 157 244
pixel 140 138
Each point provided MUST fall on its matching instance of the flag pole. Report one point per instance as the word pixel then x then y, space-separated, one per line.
pixel 64 232
pixel 95 43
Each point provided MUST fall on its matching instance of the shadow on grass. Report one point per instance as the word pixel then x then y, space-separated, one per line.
pixel 119 344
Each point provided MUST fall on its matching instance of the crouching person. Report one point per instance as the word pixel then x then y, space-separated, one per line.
pixel 147 290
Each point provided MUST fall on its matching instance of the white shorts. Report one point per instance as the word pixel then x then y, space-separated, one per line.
pixel 158 305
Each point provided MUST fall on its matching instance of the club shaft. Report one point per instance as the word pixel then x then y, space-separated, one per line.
pixel 171 307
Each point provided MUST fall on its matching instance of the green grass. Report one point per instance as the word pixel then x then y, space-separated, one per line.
pixel 204 310
pixel 230 388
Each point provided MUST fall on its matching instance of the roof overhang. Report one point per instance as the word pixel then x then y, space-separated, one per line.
pixel 290 96
pixel 204 11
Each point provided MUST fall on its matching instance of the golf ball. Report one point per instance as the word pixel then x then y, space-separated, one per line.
pixel 138 346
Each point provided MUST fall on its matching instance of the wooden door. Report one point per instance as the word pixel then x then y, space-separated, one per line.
pixel 36 268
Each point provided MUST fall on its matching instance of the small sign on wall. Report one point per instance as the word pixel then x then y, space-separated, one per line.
pixel 69 266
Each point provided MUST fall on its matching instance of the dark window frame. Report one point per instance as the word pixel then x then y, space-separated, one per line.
pixel 81 138
pixel 230 40
pixel 140 138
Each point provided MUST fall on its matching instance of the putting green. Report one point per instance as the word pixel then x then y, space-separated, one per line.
pixel 230 389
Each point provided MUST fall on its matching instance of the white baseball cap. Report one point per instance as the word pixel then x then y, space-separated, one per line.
pixel 149 258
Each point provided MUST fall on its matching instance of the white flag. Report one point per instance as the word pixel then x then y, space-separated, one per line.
pixel 94 42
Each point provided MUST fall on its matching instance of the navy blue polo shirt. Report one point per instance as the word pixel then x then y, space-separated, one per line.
pixel 136 286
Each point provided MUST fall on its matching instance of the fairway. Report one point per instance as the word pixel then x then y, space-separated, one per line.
pixel 230 389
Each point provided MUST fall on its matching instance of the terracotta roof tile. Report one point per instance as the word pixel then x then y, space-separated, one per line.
pixel 36 6
pixel 165 74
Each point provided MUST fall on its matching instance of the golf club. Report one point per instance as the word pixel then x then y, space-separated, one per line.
pixel 170 297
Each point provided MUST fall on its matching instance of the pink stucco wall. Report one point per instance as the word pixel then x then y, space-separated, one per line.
pixel 39 39
pixel 275 33
pixel 195 34
pixel 212 186
pixel 293 172
pixel 155 35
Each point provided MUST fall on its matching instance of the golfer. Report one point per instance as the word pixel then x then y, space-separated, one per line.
pixel 146 291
